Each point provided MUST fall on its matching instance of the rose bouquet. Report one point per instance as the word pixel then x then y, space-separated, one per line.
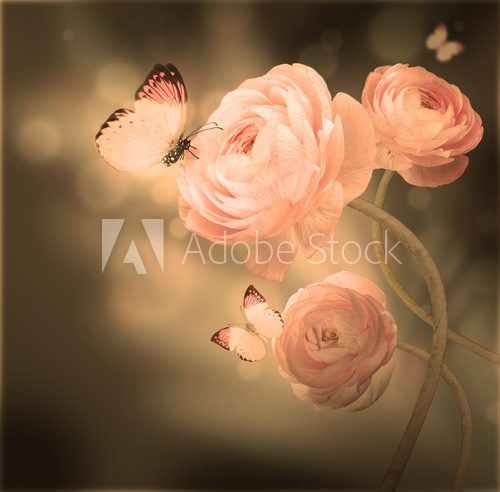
pixel 288 157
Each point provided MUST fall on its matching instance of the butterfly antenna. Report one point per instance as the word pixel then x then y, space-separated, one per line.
pixel 201 126
pixel 201 129
pixel 205 124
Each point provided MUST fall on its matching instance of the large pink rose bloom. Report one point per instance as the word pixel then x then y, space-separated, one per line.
pixel 338 343
pixel 423 124
pixel 285 164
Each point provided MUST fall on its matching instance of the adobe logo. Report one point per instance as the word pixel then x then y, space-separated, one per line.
pixel 110 230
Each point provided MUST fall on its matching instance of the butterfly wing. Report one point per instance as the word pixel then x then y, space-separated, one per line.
pixel 165 88
pixel 134 140
pixel 438 37
pixel 267 322
pixel 448 50
pixel 164 83
pixel 253 297
pixel 248 345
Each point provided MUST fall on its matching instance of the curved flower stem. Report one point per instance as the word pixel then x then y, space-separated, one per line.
pixel 465 413
pixel 438 298
pixel 403 294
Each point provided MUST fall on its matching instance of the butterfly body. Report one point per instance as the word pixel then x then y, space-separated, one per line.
pixel 260 324
pixel 250 327
pixel 177 152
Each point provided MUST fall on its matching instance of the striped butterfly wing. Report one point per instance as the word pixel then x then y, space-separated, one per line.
pixel 267 322
pixel 249 346
pixel 133 140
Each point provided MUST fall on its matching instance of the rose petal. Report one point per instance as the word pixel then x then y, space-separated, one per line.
pixel 353 281
pixel 376 388
pixel 359 146
pixel 436 176
pixel 314 230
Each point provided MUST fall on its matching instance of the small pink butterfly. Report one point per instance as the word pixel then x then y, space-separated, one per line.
pixel 438 41
pixel 133 140
pixel 260 324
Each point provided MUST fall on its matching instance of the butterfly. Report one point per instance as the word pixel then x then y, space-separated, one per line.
pixel 260 324
pixel 153 132
pixel 438 41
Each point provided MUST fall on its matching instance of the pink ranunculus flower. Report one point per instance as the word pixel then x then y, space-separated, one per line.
pixel 423 124
pixel 285 164
pixel 338 341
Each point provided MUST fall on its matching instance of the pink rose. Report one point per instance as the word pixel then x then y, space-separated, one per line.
pixel 286 163
pixel 338 342
pixel 423 124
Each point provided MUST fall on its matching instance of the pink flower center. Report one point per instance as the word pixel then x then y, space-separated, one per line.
pixel 242 140
pixel 329 334
pixel 321 336
pixel 428 100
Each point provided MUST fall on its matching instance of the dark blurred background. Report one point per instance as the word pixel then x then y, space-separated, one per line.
pixel 109 380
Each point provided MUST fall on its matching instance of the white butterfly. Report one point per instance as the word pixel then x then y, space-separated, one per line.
pixel 438 41
pixel 133 140
pixel 260 324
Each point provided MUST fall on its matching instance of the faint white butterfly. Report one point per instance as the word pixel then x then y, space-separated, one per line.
pixel 260 324
pixel 438 41
pixel 133 140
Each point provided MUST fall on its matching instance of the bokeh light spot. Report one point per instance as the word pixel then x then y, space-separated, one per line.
pixel 177 228
pixel 39 140
pixel 116 82
pixel 419 198
pixel 397 34
pixel 249 371
pixel 68 35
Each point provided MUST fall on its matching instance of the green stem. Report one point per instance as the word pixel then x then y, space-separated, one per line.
pixel 465 413
pixel 438 298
pixel 403 294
